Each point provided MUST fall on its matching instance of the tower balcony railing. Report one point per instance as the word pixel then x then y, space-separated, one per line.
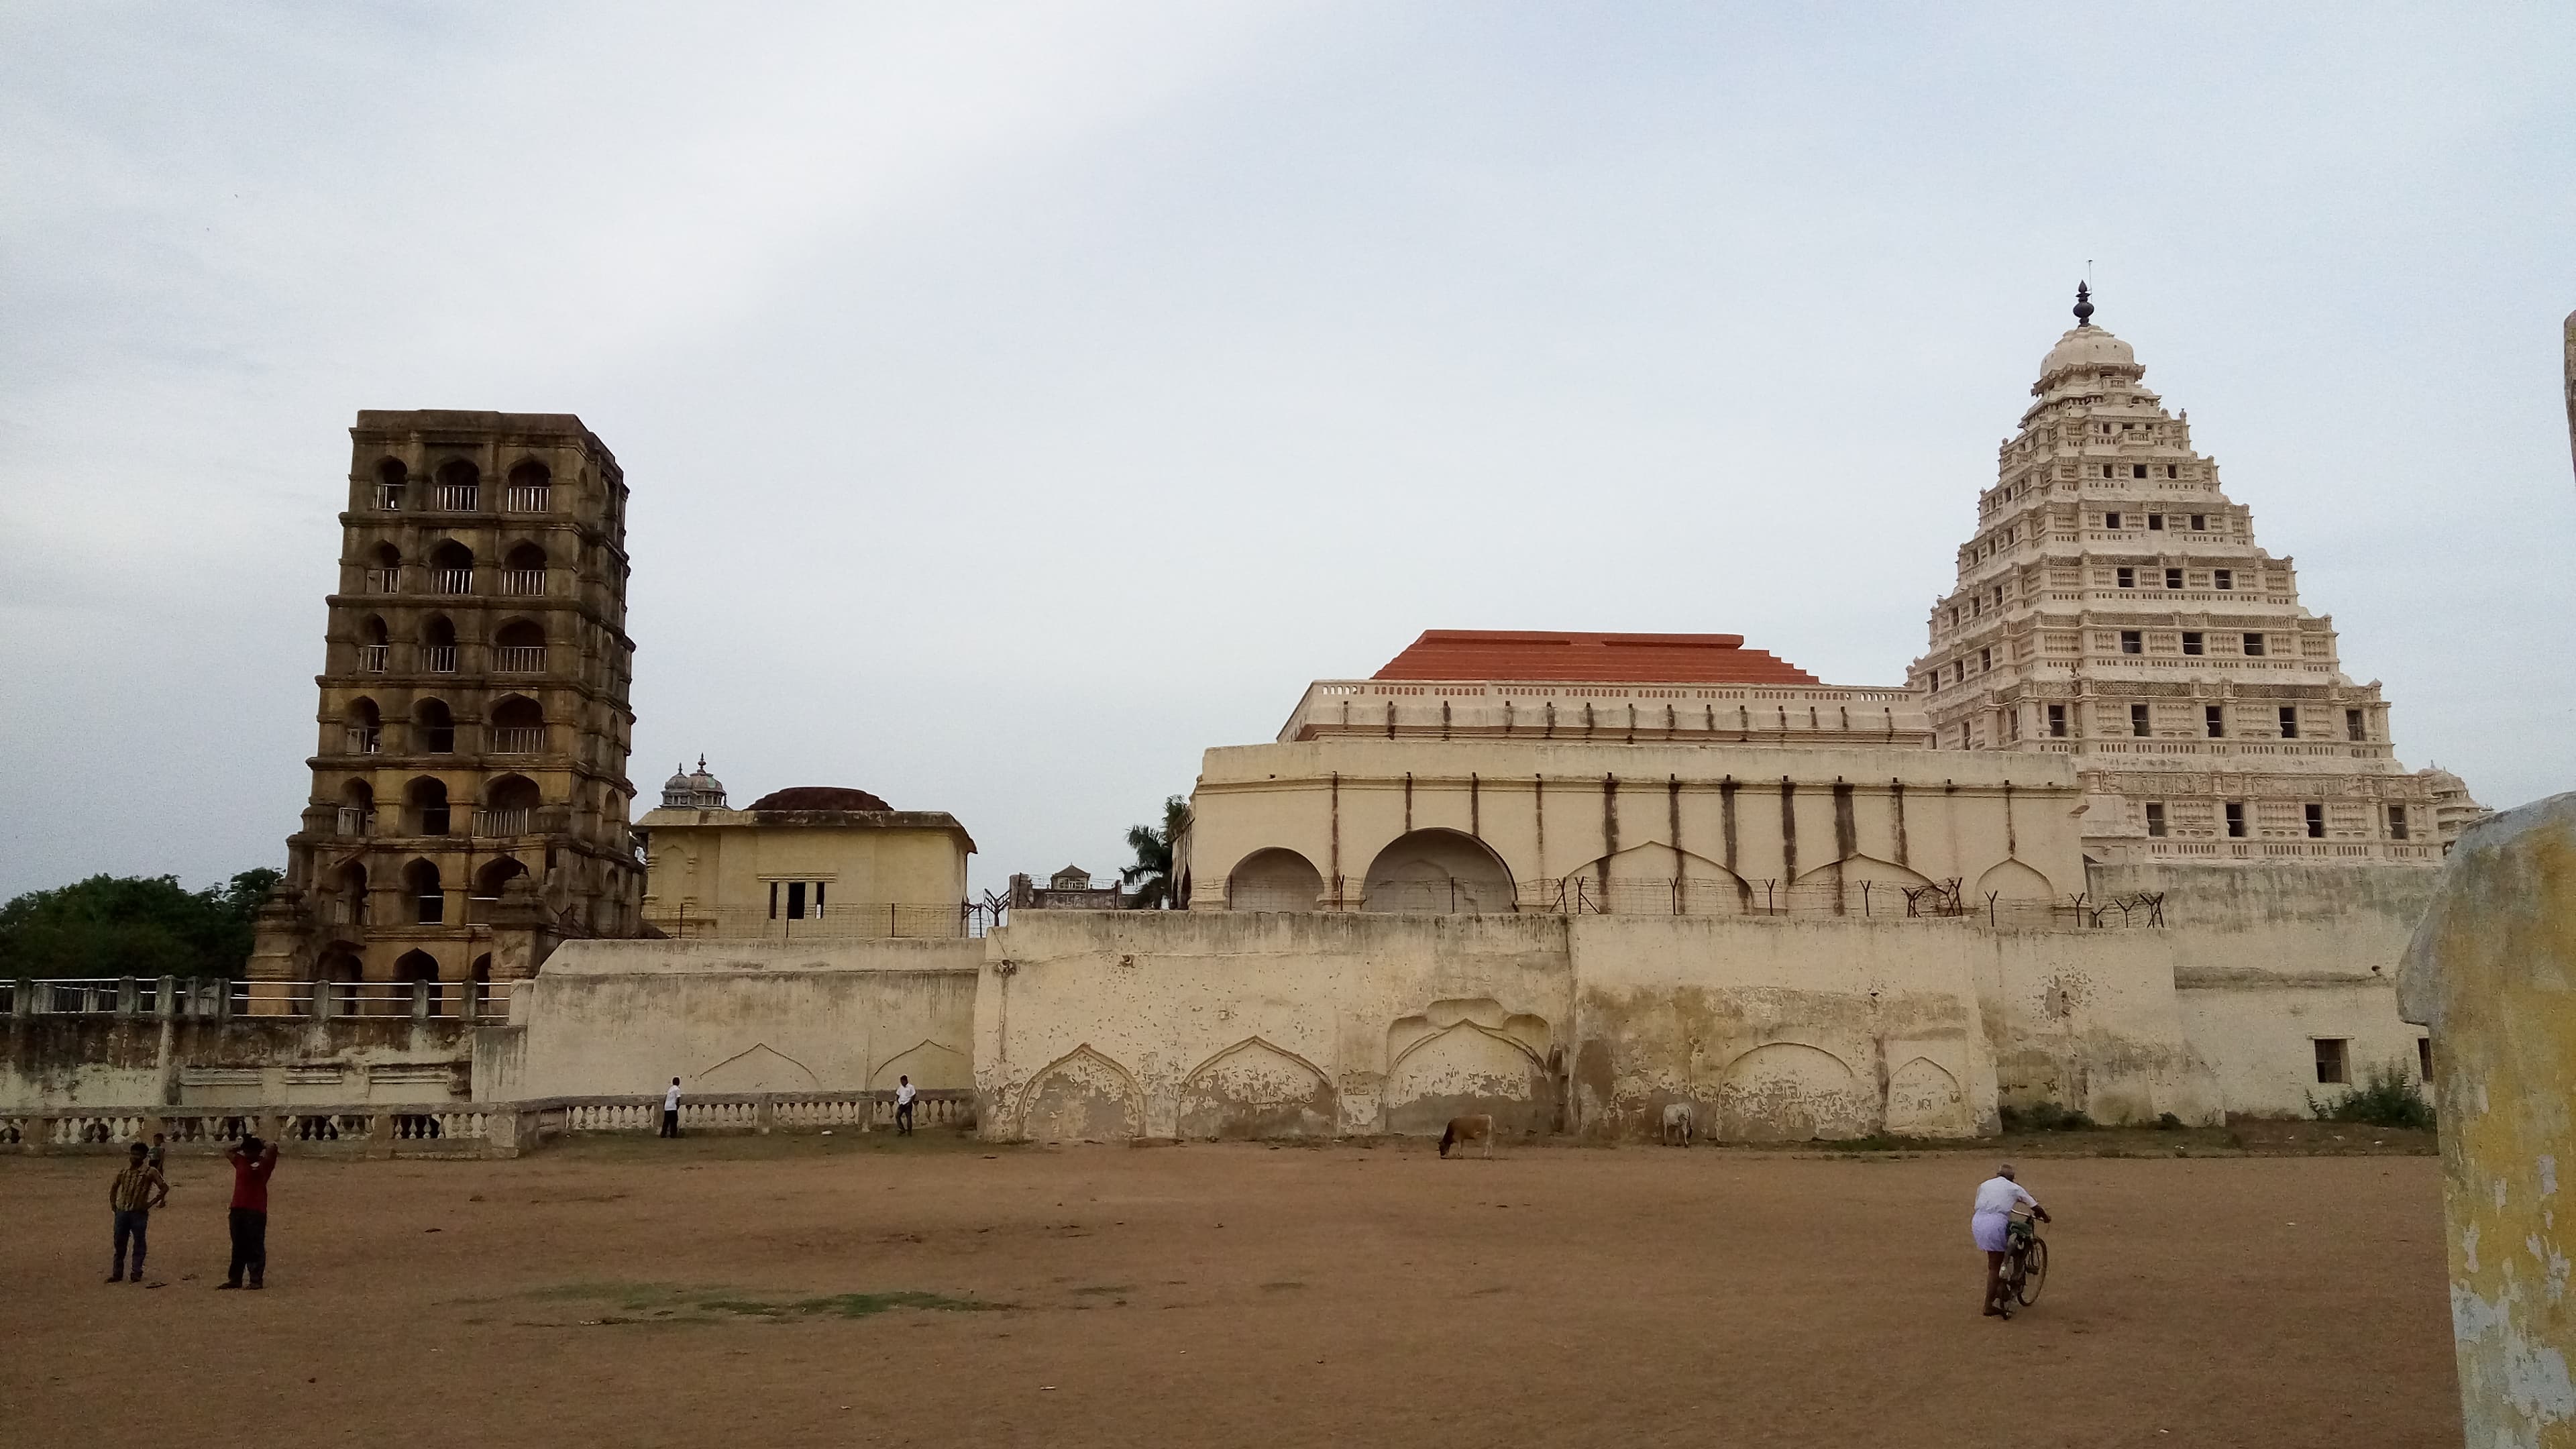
pixel 502 822
pixel 460 497
pixel 389 497
pixel 523 583
pixel 364 739
pixel 452 581
pixel 528 498
pixel 518 740
pixel 519 659
pixel 438 658
pixel 375 658
pixel 357 820
pixel 383 581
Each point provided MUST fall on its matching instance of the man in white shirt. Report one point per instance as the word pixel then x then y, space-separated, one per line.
pixel 903 1095
pixel 1990 1225
pixel 671 1110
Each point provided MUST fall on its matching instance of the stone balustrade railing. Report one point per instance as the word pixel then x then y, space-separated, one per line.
pixel 496 1129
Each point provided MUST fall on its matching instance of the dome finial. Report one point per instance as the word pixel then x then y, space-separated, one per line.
pixel 2083 304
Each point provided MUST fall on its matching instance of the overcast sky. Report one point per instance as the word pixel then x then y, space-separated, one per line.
pixel 1018 400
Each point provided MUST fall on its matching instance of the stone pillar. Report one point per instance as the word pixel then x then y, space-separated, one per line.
pixel 524 932
pixel 2492 970
pixel 279 954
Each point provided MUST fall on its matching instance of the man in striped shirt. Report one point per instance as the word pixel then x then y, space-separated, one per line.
pixel 136 1192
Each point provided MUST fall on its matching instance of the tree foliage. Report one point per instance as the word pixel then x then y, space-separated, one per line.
pixel 1149 880
pixel 133 926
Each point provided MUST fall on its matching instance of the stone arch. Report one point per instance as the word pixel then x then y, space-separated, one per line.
pixel 1274 879
pixel 1255 1089
pixel 1437 872
pixel 2013 880
pixel 1082 1096
pixel 1653 878
pixel 931 1066
pixel 1925 1100
pixel 1462 1069
pixel 421 968
pixel 1838 887
pixel 1786 1091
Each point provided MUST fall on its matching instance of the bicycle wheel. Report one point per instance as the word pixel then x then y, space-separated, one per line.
pixel 2034 1273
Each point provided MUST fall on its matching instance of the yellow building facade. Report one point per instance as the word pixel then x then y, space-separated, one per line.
pixel 808 862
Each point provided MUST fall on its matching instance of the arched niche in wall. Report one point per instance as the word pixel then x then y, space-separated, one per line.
pixel 1437 872
pixel 1275 879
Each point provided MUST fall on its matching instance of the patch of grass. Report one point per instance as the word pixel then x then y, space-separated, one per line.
pixel 2386 1098
pixel 2046 1117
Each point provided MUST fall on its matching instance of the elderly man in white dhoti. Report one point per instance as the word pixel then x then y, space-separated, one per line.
pixel 1997 1196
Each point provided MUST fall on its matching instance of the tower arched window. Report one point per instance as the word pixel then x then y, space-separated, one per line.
pixel 523 572
pixel 375 646
pixel 349 890
pixel 433 727
pixel 519 648
pixel 392 479
pixel 451 568
pixel 357 808
pixel 429 897
pixel 531 488
pixel 384 570
pixel 364 724
pixel 460 486
pixel 438 645
pixel 426 798
pixel 492 879
pixel 516 727
pixel 419 969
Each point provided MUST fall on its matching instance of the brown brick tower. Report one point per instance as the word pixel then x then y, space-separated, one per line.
pixel 469 803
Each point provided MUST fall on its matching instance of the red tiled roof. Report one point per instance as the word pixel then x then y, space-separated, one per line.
pixel 1613 658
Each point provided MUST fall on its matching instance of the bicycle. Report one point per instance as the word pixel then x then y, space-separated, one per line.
pixel 2026 1262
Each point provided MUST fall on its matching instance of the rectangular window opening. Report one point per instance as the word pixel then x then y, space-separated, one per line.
pixel 2424 1057
pixel 2214 717
pixel 2236 820
pixel 2128 578
pixel 2332 1068
pixel 2138 721
pixel 2200 523
pixel 2156 818
pixel 2173 578
pixel 2111 520
pixel 2353 728
pixel 2397 829
pixel 2289 721
pixel 2155 520
pixel 2132 642
pixel 796 900
pixel 2254 646
pixel 2191 642
pixel 2139 470
pixel 2057 721
pixel 2224 578
pixel 2316 821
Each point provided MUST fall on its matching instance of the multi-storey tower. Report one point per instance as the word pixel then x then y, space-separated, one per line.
pixel 469 802
pixel 2114 607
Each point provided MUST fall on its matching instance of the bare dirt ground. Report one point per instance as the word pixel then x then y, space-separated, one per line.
pixel 736 1292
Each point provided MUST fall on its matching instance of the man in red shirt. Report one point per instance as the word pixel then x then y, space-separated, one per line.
pixel 252 1162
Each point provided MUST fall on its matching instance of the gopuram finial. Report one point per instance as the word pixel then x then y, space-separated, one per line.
pixel 2083 304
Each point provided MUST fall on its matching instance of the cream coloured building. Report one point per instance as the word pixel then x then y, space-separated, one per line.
pixel 808 862
pixel 2113 609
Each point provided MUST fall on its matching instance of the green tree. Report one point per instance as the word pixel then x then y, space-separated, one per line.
pixel 133 926
pixel 1149 881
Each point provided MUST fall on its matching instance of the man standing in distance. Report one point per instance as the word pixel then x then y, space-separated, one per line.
pixel 136 1192
pixel 252 1162
pixel 671 1110
pixel 903 1095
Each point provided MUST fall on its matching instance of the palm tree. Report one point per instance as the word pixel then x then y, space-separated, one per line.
pixel 1149 881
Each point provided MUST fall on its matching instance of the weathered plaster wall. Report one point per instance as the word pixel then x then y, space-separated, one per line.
pixel 78 1061
pixel 2088 1019
pixel 1779 1028
pixel 1165 1024
pixel 611 1017
pixel 2269 958
pixel 2493 972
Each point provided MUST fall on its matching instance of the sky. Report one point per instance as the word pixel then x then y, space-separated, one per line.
pixel 1019 399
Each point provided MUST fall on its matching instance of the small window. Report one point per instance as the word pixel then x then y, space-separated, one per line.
pixel 2289 721
pixel 2316 814
pixel 1985 661
pixel 2236 820
pixel 2200 523
pixel 796 900
pixel 2112 519
pixel 2106 468
pixel 2223 578
pixel 2254 645
pixel 2173 578
pixel 2138 720
pixel 2128 578
pixel 773 900
pixel 2154 520
pixel 2424 1057
pixel 2352 725
pixel 2132 642
pixel 2397 822
pixel 2191 642
pixel 2213 717
pixel 2172 472
pixel 2156 818
pixel 2331 1067
pixel 2139 470
pixel 2057 721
